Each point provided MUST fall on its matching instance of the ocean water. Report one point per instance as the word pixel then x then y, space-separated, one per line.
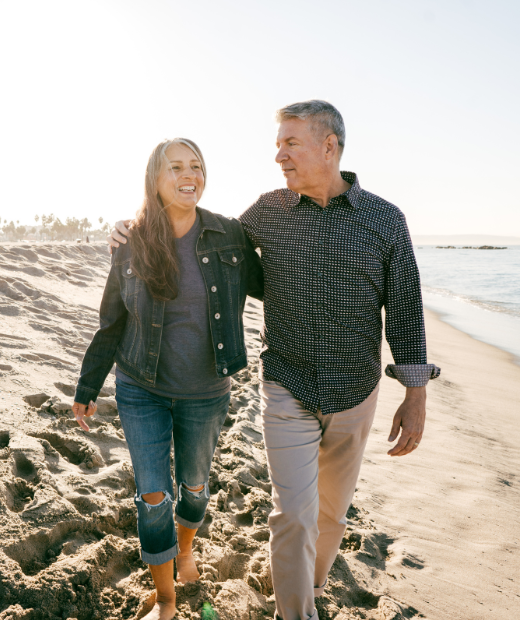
pixel 476 291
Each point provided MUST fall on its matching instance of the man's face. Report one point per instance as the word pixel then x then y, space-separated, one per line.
pixel 301 155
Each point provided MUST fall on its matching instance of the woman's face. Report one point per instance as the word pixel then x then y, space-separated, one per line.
pixel 180 183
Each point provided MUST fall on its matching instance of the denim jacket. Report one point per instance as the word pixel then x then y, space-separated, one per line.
pixel 131 320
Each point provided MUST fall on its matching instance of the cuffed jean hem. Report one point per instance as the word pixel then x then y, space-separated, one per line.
pixel 160 558
pixel 319 590
pixel 189 524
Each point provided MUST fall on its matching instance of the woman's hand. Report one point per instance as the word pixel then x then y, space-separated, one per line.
pixel 82 411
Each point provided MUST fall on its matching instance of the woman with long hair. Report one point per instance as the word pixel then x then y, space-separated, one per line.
pixel 171 320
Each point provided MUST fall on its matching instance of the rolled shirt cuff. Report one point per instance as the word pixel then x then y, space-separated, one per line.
pixel 412 375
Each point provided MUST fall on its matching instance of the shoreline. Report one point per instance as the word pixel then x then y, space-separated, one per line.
pixel 476 292
pixel 496 329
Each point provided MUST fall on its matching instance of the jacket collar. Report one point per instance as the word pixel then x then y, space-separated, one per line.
pixel 209 221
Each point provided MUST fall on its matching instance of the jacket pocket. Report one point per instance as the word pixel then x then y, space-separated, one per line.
pixel 130 286
pixel 230 262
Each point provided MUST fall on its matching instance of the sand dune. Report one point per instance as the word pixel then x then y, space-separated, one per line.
pixel 68 522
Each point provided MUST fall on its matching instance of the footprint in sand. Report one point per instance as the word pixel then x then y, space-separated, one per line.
pixel 17 493
pixel 74 451
pixel 38 551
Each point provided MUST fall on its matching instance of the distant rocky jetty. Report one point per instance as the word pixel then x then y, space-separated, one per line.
pixel 471 247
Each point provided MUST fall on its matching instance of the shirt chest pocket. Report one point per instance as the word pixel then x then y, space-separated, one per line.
pixel 230 264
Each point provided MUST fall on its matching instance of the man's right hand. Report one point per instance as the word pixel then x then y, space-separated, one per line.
pixel 118 235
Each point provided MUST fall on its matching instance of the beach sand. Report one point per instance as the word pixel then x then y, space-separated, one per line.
pixel 432 535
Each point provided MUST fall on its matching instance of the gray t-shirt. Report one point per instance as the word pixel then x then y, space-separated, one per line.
pixel 186 367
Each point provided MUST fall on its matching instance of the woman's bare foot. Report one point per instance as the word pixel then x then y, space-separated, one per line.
pixel 164 609
pixel 186 568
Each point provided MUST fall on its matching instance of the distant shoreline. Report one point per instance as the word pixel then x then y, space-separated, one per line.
pixel 460 246
pixel 472 247
pixel 465 240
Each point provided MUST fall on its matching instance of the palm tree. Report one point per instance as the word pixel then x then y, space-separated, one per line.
pixel 85 225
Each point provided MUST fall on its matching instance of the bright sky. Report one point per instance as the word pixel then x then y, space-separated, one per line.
pixel 429 90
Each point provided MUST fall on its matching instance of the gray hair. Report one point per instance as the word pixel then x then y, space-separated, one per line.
pixel 324 117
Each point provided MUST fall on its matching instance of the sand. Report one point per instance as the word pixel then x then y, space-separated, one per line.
pixel 432 535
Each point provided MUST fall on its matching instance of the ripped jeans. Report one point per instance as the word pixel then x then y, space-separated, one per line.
pixel 150 424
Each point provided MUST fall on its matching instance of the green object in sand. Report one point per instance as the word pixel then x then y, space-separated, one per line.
pixel 208 613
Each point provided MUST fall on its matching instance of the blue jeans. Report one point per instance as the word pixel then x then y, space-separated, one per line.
pixel 150 423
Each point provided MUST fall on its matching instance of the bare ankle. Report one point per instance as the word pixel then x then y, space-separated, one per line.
pixel 165 599
pixel 185 554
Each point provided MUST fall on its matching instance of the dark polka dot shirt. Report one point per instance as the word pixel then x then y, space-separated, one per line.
pixel 328 274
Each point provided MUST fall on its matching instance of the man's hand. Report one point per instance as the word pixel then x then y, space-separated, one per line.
pixel 410 418
pixel 118 235
pixel 82 411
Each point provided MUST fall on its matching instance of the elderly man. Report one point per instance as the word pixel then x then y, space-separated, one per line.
pixel 333 255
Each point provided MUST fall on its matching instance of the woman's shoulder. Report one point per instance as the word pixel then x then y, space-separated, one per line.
pixel 122 254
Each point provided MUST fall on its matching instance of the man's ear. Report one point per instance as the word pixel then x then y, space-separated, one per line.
pixel 331 146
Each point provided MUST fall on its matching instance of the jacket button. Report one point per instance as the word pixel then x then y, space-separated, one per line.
pixel 224 371
pixel 213 289
pixel 220 345
pixel 217 316
pixel 205 259
pixel 234 259
pixel 128 271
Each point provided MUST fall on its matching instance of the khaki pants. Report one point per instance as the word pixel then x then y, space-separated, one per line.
pixel 314 463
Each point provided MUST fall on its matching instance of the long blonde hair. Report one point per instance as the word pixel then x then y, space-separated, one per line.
pixel 154 255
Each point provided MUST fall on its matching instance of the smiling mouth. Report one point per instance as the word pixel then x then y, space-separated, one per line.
pixel 187 189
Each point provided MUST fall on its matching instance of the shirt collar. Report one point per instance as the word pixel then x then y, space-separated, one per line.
pixel 352 195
